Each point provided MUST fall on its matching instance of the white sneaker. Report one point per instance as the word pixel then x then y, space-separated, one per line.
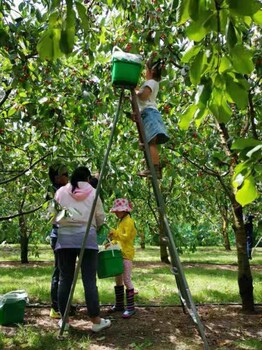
pixel 67 325
pixel 97 327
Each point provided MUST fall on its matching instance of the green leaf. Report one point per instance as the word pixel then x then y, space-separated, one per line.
pixel 186 117
pixel 48 46
pixel 193 9
pixel 241 144
pixel 241 167
pixel 196 67
pixel 203 94
pixel 248 192
pixel 102 37
pixel 4 37
pixel 69 36
pixel 55 3
pixel 191 52
pixel 68 32
pixel 241 59
pixel 237 92
pixel 219 107
pixel 182 14
pixel 54 19
pixel 231 35
pixel 244 8
pixel 257 17
pixel 196 31
pixel 225 65
pixel 81 10
pixel 11 111
pixel 200 115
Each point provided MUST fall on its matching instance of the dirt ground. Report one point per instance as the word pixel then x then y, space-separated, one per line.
pixel 158 328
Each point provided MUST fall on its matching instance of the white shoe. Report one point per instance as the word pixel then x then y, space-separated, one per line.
pixel 97 327
pixel 67 325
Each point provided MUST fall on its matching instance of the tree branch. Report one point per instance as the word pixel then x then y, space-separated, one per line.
pixel 3 218
pixel 25 170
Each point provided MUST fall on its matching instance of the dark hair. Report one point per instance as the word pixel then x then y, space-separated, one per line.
pixel 56 169
pixel 155 67
pixel 81 173
pixel 93 181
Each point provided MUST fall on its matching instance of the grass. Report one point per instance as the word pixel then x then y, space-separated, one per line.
pixel 35 339
pixel 213 282
pixel 155 282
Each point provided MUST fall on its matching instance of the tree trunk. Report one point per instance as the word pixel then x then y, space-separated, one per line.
pixel 245 280
pixel 225 234
pixel 23 240
pixel 142 240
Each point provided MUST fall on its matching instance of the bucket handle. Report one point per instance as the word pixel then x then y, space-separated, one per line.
pixel 110 242
pixel 116 48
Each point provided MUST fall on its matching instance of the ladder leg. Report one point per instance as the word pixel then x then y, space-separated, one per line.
pixel 80 258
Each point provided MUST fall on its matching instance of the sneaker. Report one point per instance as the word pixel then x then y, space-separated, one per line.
pixel 128 313
pixel 54 314
pixel 67 325
pixel 97 327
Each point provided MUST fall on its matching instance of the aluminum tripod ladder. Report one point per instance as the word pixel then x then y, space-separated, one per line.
pixel 177 270
pixel 183 289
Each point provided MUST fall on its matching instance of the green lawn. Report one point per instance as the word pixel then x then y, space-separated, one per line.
pixel 208 283
pixel 211 274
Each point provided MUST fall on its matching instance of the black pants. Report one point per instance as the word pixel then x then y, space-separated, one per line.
pixel 66 263
pixel 55 275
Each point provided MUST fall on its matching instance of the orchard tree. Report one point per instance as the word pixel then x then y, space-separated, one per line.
pixel 221 67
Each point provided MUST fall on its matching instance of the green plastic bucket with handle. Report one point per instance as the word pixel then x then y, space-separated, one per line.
pixel 12 307
pixel 110 263
pixel 126 68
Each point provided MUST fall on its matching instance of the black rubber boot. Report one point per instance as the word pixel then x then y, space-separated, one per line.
pixel 119 300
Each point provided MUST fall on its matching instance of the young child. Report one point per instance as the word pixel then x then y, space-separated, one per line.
pixel 154 127
pixel 124 235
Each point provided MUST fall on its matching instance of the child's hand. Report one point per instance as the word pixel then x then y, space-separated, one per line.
pixel 107 245
pixel 110 236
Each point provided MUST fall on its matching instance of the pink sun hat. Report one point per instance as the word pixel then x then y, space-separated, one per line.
pixel 121 204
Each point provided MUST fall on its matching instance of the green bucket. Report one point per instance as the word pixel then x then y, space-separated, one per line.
pixel 126 68
pixel 110 263
pixel 12 307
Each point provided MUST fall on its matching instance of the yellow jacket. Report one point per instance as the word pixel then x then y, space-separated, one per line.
pixel 124 235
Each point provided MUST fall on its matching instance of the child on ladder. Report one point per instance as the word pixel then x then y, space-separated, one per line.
pixel 124 235
pixel 154 127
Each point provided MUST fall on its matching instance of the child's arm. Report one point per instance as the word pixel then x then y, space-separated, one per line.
pixel 144 93
pixel 122 232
